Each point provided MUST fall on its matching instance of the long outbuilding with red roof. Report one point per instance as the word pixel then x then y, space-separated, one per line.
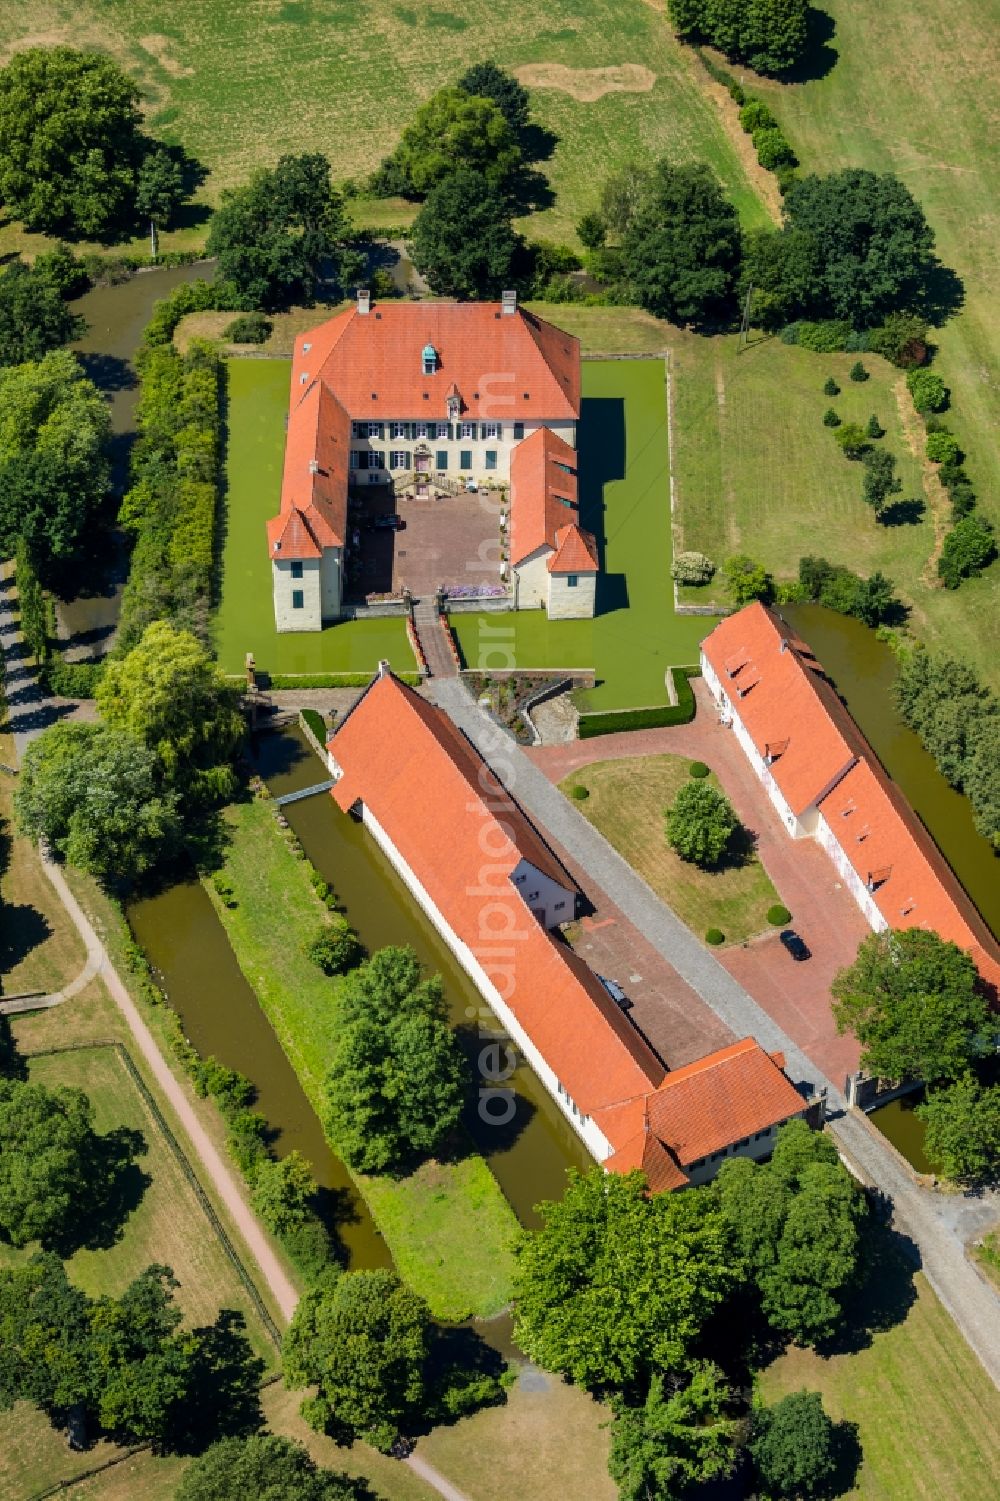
pixel 498 895
pixel 826 782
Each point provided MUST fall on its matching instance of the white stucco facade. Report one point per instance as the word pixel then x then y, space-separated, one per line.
pixel 307 592
pixel 571 596
pixel 855 885
pixel 477 449
pixel 533 580
pixel 756 1147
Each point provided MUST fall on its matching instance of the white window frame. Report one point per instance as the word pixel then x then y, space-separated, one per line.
pixel 421 430
pixel 467 430
pixel 493 431
pixel 397 429
pixel 374 429
pixel 399 458
pixel 375 459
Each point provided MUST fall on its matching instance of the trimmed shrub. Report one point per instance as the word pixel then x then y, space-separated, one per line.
pixel 853 440
pixel 874 428
pixel 773 150
pixel 830 418
pixel 826 336
pixel 943 447
pixel 336 948
pixel 692 568
pixel 611 721
pixel 579 793
pixel 755 115
pixel 901 339
pixel 714 936
pixel 831 388
pixel 858 372
pixel 778 915
pixel 967 549
pixel 699 769
pixel 929 392
pixel 249 328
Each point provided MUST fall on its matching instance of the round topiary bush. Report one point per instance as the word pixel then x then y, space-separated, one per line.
pixel 715 936
pixel 698 769
pixel 579 792
pixel 778 915
pixel 831 418
pixel 250 328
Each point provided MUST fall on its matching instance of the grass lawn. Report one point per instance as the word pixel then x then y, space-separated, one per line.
pixel 554 1441
pixel 39 947
pixel 447 1225
pixel 926 1411
pixel 625 501
pixel 627 802
pixel 255 444
pixel 240 86
pixel 926 112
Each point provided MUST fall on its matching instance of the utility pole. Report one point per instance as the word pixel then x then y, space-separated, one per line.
pixel 744 339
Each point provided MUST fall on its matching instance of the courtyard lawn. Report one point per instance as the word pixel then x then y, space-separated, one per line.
pixel 255 442
pixel 927 1413
pixel 239 86
pixel 448 1226
pixel 625 501
pixel 627 802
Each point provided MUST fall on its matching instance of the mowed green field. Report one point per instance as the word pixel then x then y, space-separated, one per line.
pixel 625 501
pixel 914 92
pixel 255 445
pixel 240 84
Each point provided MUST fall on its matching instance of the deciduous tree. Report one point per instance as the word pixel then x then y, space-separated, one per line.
pixel 159 189
pixel 701 823
pixel 967 549
pixel 747 579
pixel 793 1445
pixel 681 1436
pixel 770 35
pixel 362 1339
pixel 33 316
pixel 489 81
pixel 912 1001
pixel 880 482
pixel 455 131
pixel 283 1192
pixel 463 240
pixel 682 246
pixel 265 1467
pixel 962 1137
pixel 617 1285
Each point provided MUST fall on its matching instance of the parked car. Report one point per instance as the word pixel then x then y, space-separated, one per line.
pixel 796 946
pixel 616 993
pixel 390 523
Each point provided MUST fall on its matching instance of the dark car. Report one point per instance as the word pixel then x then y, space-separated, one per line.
pixel 795 945
pixel 393 523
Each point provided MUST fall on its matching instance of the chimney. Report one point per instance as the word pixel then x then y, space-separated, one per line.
pixel 364 300
pixel 508 302
pixel 383 668
pixel 314 466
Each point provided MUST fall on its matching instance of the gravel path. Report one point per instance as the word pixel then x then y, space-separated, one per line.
pixel 972 1303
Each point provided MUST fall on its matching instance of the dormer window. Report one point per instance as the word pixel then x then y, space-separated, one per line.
pixel 429 359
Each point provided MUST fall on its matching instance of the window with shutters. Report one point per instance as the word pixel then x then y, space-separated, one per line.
pixel 491 430
pixel 397 429
pixel 466 430
pixel 465 458
pixel 399 459
pixel 374 459
pixel 355 459
pixel 420 430
pixel 374 429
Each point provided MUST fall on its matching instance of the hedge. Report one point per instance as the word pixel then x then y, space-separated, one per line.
pixel 283 680
pixel 612 721
pixel 38 627
pixel 316 723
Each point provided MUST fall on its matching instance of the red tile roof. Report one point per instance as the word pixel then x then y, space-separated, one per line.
pixel 721 1098
pixel 543 492
pixel 576 552
pixel 910 882
pixel 777 690
pixel 315 475
pixel 462 836
pixel 821 757
pixel 507 366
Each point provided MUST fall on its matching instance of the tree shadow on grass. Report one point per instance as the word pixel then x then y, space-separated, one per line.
pixel 464 1373
pixel 903 512
pixel 884 1295
pixel 22 929
pixel 818 57
pixel 115 1190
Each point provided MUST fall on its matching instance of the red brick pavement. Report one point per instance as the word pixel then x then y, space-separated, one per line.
pixel 796 995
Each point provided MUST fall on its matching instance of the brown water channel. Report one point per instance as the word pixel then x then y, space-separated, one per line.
pixel 530 1156
pixel 116 317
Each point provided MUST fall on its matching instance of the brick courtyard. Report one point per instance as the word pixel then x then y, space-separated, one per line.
pixel 450 541
pixel 796 995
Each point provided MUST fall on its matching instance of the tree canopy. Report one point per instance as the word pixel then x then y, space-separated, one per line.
pixel 69 140
pixel 617 1284
pixel 159 188
pixel 95 796
pixel 454 132
pixel 911 1000
pixel 701 822
pixel 275 237
pixel 682 245
pixel 770 35
pixel 489 81
pixel 747 579
pixel 54 434
pixel 681 1436
pixel 137 1375
pixel 793 1446
pixel 168 694
pixel 362 1339
pixel 33 316
pixel 962 1130
pixel 463 240
pixel 398 1078
pixel 49 1154
pixel 264 1467
pixel 794 1224
pixel 873 243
